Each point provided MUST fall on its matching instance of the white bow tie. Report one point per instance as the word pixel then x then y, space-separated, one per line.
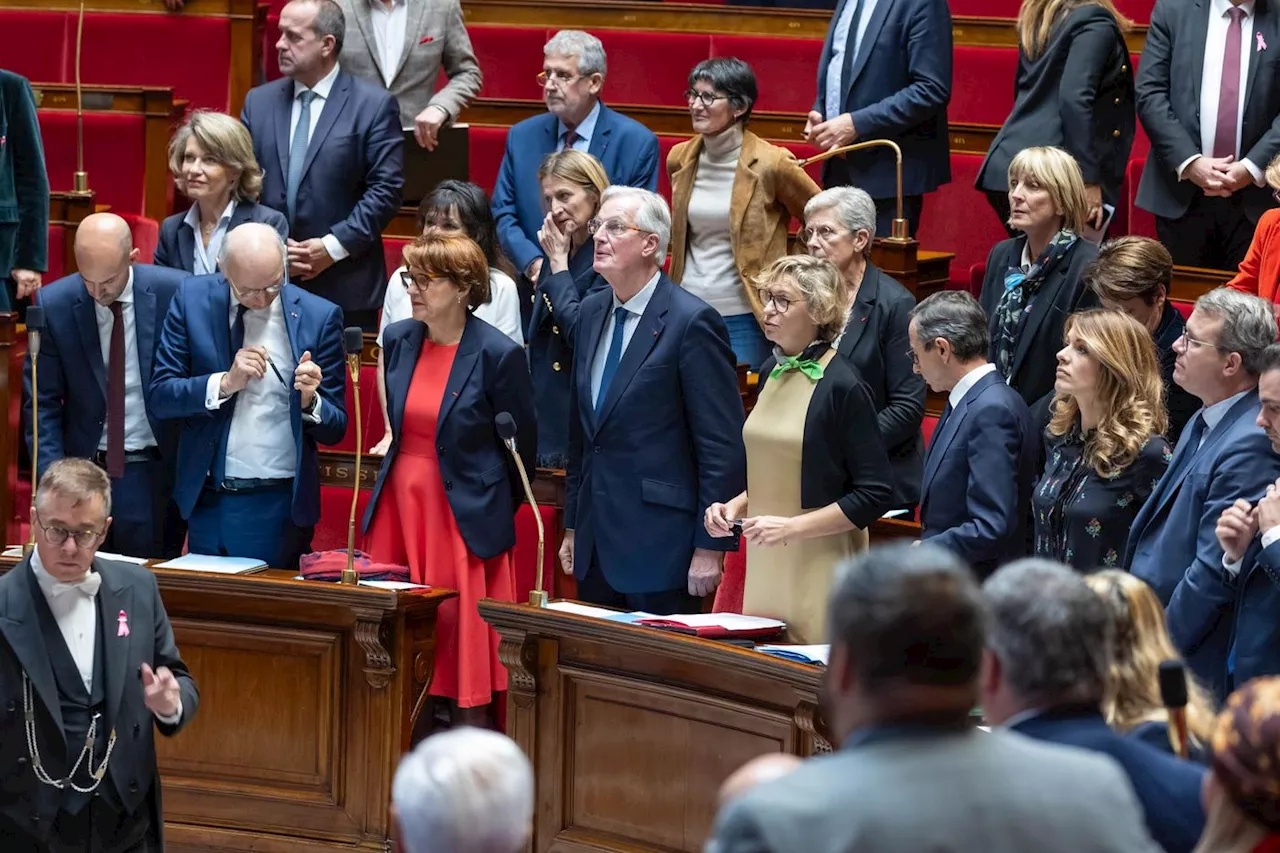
pixel 88 586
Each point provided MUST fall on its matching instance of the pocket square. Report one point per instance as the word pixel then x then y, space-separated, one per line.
pixel 426 39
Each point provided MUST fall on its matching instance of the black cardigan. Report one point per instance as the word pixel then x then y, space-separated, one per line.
pixel 842 459
pixel 875 341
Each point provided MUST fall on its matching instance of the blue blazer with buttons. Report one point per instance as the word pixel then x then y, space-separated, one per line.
pixel 73 377
pixel 196 343
pixel 481 482
pixel 177 245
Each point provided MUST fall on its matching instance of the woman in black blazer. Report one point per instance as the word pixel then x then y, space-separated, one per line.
pixel 211 157
pixel 446 496
pixel 839 225
pixel 1074 90
pixel 1034 281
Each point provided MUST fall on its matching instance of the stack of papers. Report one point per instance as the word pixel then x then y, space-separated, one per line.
pixel 716 624
pixel 216 565
pixel 816 655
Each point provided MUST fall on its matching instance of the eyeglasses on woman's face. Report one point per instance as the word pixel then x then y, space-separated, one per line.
pixel 780 302
pixel 707 99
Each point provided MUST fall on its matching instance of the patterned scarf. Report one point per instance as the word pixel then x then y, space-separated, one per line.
pixel 1019 290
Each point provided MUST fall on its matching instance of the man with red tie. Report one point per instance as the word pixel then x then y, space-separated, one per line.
pixel 1209 100
pixel 96 354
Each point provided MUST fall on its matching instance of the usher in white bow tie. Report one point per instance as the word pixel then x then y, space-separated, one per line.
pixel 88 586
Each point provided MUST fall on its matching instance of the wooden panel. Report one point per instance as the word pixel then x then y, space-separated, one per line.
pixel 69 210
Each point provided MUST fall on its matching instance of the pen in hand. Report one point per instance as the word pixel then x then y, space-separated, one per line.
pixel 276 370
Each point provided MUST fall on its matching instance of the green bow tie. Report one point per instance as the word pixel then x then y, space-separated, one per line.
pixel 807 366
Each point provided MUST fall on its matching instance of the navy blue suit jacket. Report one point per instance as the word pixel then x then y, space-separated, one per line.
pixel 177 246
pixel 666 444
pixel 1167 787
pixel 1174 532
pixel 627 149
pixel 975 498
pixel 481 482
pixel 196 343
pixel 73 378
pixel 351 179
pixel 898 88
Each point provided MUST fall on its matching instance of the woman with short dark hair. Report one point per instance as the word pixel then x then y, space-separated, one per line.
pixel 733 195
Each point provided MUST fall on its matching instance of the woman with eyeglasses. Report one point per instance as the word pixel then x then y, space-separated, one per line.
pixel 817 474
pixel 1260 270
pixel 839 225
pixel 733 196
pixel 572 182
pixel 454 207
pixel 445 500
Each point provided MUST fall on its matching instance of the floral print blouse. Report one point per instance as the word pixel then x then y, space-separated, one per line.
pixel 1083 519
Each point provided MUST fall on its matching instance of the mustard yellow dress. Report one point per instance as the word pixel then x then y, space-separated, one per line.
pixel 789 582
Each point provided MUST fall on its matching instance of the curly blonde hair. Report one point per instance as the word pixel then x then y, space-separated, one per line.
pixel 819 283
pixel 1142 644
pixel 1130 392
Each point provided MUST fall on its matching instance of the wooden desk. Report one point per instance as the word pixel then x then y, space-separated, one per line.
pixel 307 692
pixel 631 730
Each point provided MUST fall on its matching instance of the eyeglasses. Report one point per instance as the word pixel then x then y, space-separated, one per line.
pixel 1197 343
pixel 824 234
pixel 269 290
pixel 613 227
pixel 708 99
pixel 558 77
pixel 915 359
pixel 780 303
pixel 59 535
pixel 416 281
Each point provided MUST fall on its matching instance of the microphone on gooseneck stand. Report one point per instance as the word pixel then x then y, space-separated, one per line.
pixel 35 326
pixel 353 345
pixel 1173 693
pixel 506 426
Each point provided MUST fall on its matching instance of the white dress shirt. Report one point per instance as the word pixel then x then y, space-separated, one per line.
pixel 388 35
pixel 585 131
pixel 1211 80
pixel 635 310
pixel 836 87
pixel 502 311
pixel 260 445
pixel 206 258
pixel 322 89
pixel 966 383
pixel 137 429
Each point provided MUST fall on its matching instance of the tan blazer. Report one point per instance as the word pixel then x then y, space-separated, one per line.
pixel 769 188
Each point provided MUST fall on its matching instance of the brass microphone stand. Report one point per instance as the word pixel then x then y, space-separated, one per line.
pixel 350 576
pixel 901 229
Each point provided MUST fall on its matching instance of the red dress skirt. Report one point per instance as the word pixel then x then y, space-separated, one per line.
pixel 414 526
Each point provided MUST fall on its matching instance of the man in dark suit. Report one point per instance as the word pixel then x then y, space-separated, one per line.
pixel 655 432
pixel 253 368
pixel 573 73
pixel 87 654
pixel 24 190
pixel 885 73
pixel 975 498
pixel 332 158
pixel 1209 99
pixel 911 771
pixel 1050 643
pixel 96 357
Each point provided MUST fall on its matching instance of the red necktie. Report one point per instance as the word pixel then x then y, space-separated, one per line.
pixel 1224 137
pixel 115 394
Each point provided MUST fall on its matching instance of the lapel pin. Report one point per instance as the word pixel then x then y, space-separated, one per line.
pixel 455 393
pixel 1262 45
pixel 427 39
pixel 123 629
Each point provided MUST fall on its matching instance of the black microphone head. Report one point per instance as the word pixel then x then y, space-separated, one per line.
pixel 506 426
pixel 353 340
pixel 1173 684
pixel 35 318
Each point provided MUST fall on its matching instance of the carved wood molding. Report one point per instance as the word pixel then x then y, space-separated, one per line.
pixel 519 654
pixel 808 718
pixel 377 660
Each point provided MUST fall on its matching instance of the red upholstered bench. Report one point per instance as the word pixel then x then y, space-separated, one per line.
pixel 146 235
pixel 1184 308
pixel 487 145
pixel 114 155
pixel 985 8
pixel 189 53
pixel 510 57
pixel 270 58
pixel 370 409
pixel 786 68
pixel 335 507
pixel 650 68
pixel 39 44
pixel 1140 222
pixel 1137 11
pixel 393 253
pixel 56 252
pixel 982 88
pixel 957 218
pixel 665 144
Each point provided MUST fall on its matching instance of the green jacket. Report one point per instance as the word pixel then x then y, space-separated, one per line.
pixel 24 186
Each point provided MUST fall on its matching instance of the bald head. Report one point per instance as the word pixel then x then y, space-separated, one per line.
pixel 253 260
pixel 104 252
pixel 763 768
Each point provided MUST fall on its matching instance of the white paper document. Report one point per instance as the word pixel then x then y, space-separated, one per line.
pixel 817 654
pixel 398 586
pixel 582 609
pixel 122 558
pixel 217 565
pixel 728 621
pixel 12 552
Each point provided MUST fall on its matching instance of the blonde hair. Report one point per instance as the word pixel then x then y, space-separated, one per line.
pixel 1142 644
pixel 77 480
pixel 1058 173
pixel 1272 175
pixel 1037 17
pixel 224 140
pixel 1130 391
pixel 819 282
pixel 578 168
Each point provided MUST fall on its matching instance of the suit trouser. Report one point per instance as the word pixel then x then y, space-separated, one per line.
pixel 596 589
pixel 85 832
pixel 1214 233
pixel 249 523
pixel 145 522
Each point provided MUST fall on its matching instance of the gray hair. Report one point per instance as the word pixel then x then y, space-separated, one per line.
pixel 652 214
pixel 1248 324
pixel 908 614
pixel 330 22
pixel 588 49
pixel 1052 634
pixel 853 206
pixel 466 790
pixel 77 480
pixel 957 318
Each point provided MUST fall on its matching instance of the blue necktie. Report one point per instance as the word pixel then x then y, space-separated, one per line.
pixel 614 355
pixel 1191 437
pixel 298 153
pixel 219 472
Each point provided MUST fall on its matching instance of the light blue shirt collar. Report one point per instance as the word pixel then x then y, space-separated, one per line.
pixel 637 304
pixel 586 130
pixel 1214 414
pixel 205 261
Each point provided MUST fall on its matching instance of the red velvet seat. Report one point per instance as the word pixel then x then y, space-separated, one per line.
pixel 39 44
pixel 189 53
pixel 665 144
pixel 335 508
pixel 56 252
pixel 957 218
pixel 983 86
pixel 371 411
pixel 511 58
pixel 985 8
pixel 804 151
pixel 146 235
pixel 1137 11
pixel 393 253
pixel 487 145
pixel 270 58
pixel 1141 223
pixel 650 68
pixel 1184 308
pixel 114 155
pixel 786 68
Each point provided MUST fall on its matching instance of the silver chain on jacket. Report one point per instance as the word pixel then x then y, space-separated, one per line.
pixel 86 754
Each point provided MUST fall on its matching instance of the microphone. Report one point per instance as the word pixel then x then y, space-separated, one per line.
pixel 901 229
pixel 1173 693
pixel 506 426
pixel 353 346
pixel 35 327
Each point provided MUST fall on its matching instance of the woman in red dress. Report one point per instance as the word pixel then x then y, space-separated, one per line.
pixel 446 496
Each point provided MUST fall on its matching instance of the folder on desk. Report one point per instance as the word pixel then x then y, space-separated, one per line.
pixel 814 655
pixel 215 564
pixel 716 625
